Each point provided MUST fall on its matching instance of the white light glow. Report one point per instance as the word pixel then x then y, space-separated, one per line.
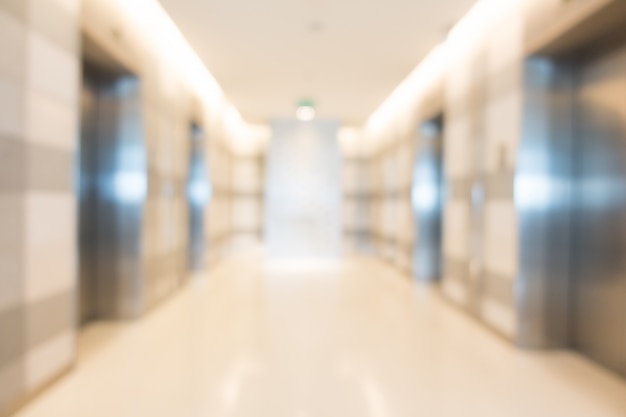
pixel 241 371
pixel 251 141
pixel 533 192
pixel 376 401
pixel 151 22
pixel 305 113
pixel 199 192
pixel 351 142
pixel 130 186
pixel 158 33
pixel 425 196
pixel 426 192
pixel 399 108
pixel 481 17
pixel 424 77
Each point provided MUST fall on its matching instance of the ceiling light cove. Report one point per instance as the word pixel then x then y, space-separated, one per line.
pixel 359 51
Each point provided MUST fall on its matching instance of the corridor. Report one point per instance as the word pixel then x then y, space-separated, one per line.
pixel 304 338
pixel 312 208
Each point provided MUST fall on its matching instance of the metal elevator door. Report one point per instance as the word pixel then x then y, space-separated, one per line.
pixel 198 195
pixel 111 188
pixel 599 232
pixel 88 202
pixel 427 200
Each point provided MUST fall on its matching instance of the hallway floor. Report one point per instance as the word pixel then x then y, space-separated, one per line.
pixel 313 339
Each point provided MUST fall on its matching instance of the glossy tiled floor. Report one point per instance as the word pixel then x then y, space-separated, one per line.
pixel 310 339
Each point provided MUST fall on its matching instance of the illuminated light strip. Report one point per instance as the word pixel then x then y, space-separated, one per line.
pixel 478 21
pixel 432 68
pixel 423 77
pixel 349 141
pixel 158 32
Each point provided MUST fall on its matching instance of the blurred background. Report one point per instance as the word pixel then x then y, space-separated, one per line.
pixel 312 208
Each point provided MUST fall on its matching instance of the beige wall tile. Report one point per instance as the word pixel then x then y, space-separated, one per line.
pixel 11 107
pixel 356 215
pixel 13 158
pixel 50 244
pixel 351 177
pixel 457 152
pixel 349 213
pixel 458 86
pixel 12 331
pixel 503 129
pixel 388 217
pixel 52 70
pixel 50 169
pixel 12 224
pixel 50 218
pixel 246 214
pixel 247 176
pixel 48 359
pixel 455 291
pixel 500 317
pixel 405 221
pixel 456 230
pixel 12 46
pixel 12 383
pixel 160 225
pixel 508 46
pixel 11 280
pixel 501 238
pixel 50 317
pixel 73 7
pixel 51 122
pixel 16 8
pixel 165 146
pixel 541 15
pixel 57 21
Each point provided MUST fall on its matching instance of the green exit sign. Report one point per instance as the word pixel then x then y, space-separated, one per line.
pixel 306 103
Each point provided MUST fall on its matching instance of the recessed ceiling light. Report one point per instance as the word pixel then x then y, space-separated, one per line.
pixel 305 111
pixel 305 114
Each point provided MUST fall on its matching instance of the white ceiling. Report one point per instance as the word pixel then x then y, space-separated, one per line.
pixel 347 55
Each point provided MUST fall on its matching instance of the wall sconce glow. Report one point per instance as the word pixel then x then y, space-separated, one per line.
pixel 306 111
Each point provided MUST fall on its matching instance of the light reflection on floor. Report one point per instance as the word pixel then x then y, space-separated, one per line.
pixel 318 339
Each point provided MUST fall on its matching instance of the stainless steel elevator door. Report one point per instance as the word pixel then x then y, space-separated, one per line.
pixel 426 195
pixel 198 195
pixel 87 165
pixel 599 239
pixel 112 187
